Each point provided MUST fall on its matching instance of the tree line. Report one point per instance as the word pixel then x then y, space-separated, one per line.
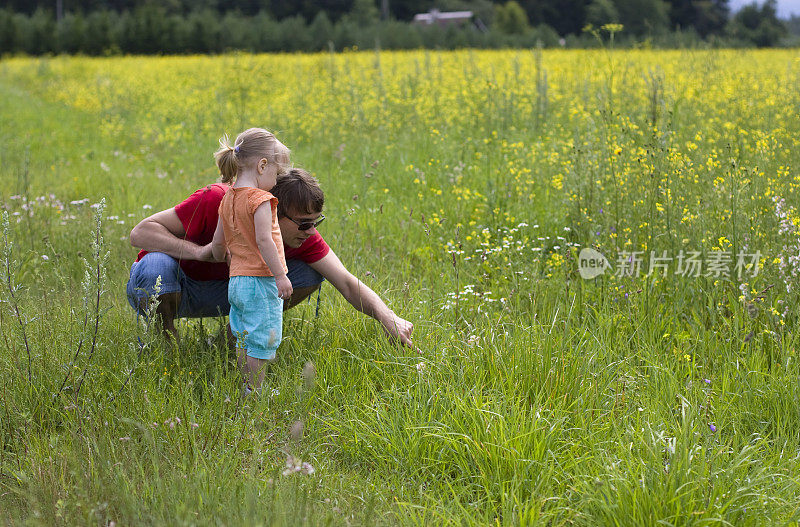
pixel 96 27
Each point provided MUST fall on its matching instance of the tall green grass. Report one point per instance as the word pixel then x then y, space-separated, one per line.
pixel 460 186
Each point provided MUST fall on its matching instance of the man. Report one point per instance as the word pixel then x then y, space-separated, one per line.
pixel 176 246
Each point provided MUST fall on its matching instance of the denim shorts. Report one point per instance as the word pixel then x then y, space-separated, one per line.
pixel 198 298
pixel 256 315
pixel 302 275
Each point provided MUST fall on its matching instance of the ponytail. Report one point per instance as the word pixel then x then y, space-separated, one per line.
pixel 227 162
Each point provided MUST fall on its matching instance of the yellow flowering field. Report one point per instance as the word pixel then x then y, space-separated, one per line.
pixel 599 249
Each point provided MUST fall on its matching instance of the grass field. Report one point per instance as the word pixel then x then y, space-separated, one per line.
pixel 462 187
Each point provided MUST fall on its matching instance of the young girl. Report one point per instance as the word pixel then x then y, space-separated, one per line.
pixel 248 230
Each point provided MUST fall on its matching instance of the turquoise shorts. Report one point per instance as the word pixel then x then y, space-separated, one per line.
pixel 256 315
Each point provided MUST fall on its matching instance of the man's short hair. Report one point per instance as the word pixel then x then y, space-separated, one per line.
pixel 298 192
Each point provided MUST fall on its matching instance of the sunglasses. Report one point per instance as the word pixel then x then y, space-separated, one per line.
pixel 305 225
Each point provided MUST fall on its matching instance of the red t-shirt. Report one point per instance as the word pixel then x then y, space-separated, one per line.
pixel 199 213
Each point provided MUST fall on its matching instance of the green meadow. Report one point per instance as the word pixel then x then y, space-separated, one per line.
pixel 473 191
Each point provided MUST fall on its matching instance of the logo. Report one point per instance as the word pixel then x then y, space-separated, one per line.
pixel 591 263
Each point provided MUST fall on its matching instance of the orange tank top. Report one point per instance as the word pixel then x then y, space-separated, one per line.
pixel 237 211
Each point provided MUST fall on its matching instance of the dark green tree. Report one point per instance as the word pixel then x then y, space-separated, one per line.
pixel 364 12
pixel 204 31
pixel 321 30
pixel 706 16
pixel 268 37
pixel 758 25
pixel 643 17
pixel 71 34
pixel 399 35
pixel 99 37
pixel 237 32
pixel 9 38
pixel 510 18
pixel 565 16
pixel 294 33
pixel 37 33
pixel 333 9
pixel 601 12
pixel 145 30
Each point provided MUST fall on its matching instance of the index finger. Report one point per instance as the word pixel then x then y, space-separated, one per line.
pixel 406 341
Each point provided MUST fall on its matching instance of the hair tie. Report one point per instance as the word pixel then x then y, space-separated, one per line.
pixel 236 149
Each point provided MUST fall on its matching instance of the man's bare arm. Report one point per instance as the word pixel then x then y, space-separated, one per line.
pixel 364 299
pixel 164 232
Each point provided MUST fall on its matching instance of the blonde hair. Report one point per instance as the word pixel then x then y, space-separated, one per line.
pixel 253 143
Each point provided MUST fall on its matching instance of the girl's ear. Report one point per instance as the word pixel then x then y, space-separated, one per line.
pixel 262 164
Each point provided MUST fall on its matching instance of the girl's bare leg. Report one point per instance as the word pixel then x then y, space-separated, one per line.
pixel 253 370
pixel 258 370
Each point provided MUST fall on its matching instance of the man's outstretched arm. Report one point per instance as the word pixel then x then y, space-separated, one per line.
pixel 363 298
pixel 164 232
